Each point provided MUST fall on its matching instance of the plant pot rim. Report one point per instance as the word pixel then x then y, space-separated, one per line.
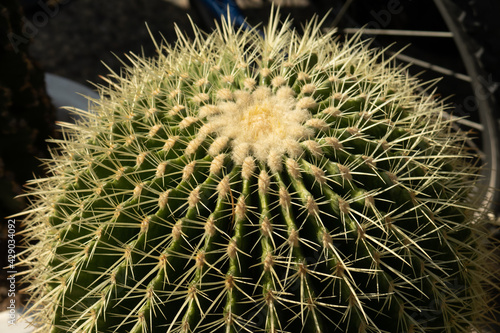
pixel 66 93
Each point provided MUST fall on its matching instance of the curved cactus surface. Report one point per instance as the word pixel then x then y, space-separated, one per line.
pixel 239 183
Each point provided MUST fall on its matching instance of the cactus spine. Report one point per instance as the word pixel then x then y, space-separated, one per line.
pixel 240 183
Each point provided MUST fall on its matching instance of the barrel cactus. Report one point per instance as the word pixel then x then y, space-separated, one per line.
pixel 248 183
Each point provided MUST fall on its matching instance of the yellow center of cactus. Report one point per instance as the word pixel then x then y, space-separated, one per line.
pixel 260 120
pixel 260 123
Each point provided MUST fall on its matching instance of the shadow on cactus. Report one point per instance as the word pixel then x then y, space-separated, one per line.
pixel 240 183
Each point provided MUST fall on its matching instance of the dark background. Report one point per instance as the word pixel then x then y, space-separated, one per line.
pixel 80 35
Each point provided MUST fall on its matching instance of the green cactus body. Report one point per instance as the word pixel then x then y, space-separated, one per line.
pixel 246 184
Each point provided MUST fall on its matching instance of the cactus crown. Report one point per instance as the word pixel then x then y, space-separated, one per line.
pixel 240 183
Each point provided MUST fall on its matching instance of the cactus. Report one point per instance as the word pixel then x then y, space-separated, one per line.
pixel 247 183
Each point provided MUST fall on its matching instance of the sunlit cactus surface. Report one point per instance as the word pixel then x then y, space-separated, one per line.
pixel 245 183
